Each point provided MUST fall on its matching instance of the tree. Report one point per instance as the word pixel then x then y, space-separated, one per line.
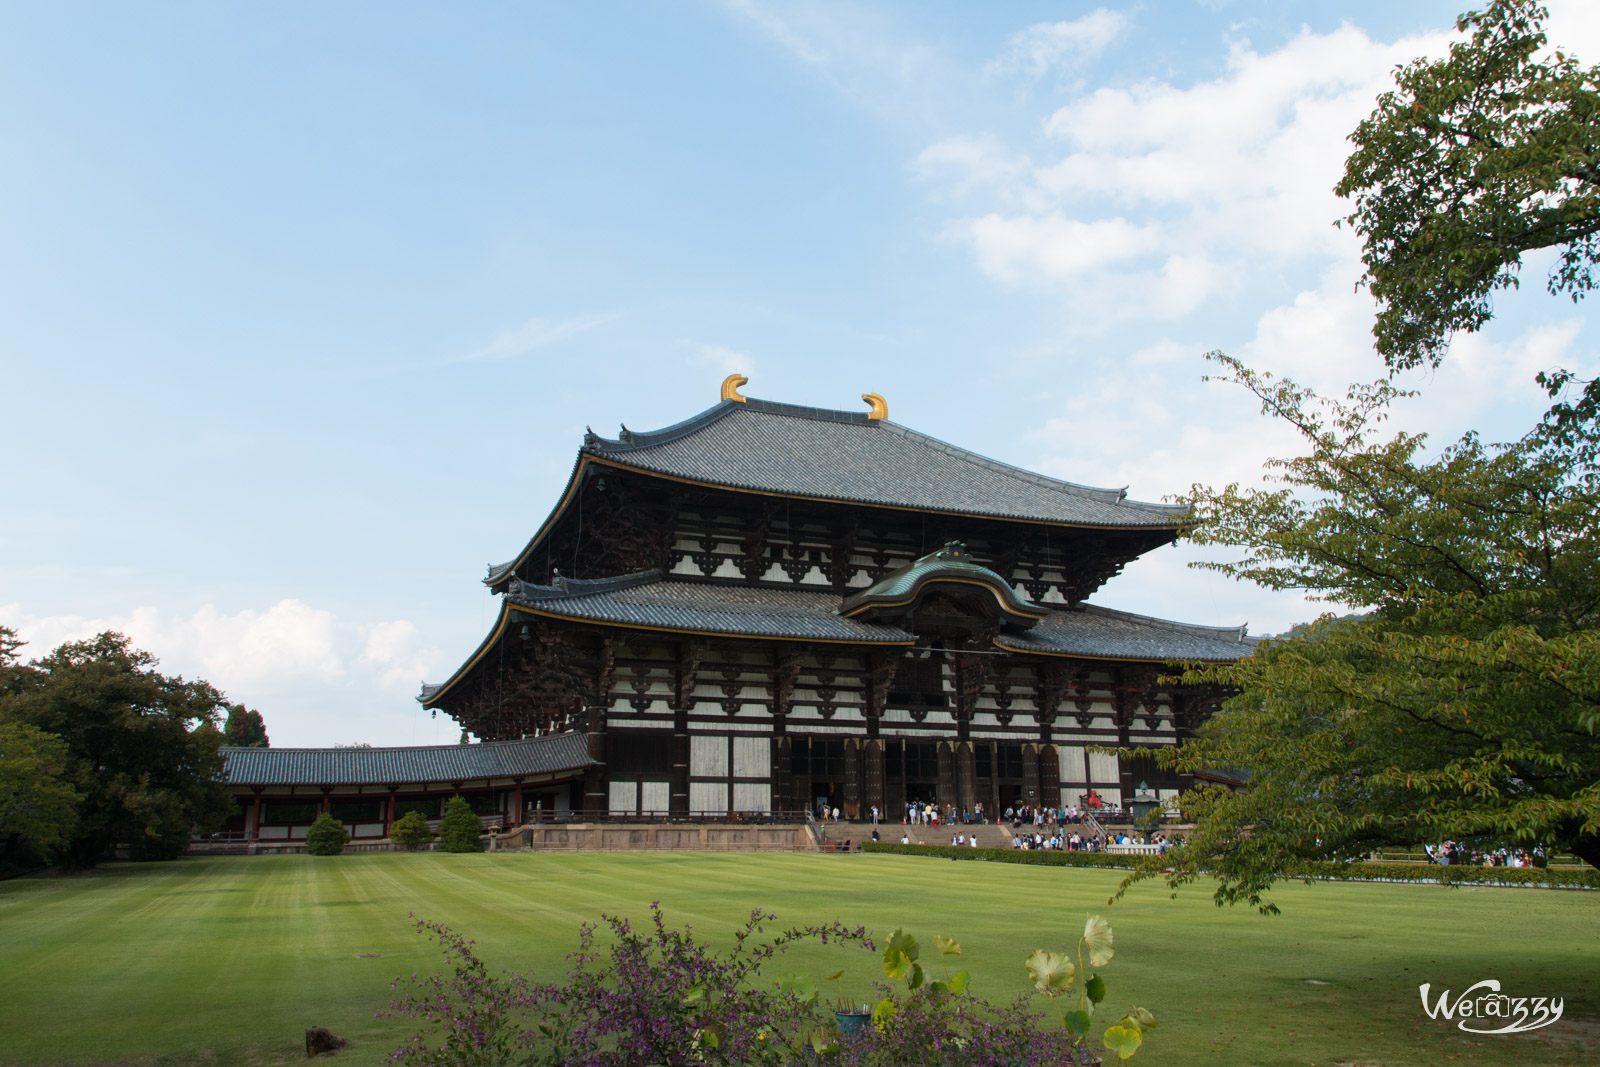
pixel 1463 700
pixel 38 809
pixel 326 837
pixel 141 747
pixel 1474 161
pixel 410 831
pixel 459 830
pixel 245 728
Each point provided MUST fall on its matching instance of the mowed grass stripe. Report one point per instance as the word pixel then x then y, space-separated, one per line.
pixel 227 961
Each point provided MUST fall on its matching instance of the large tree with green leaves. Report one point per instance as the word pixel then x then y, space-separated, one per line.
pixel 1458 699
pixel 1458 695
pixel 1474 161
pixel 38 807
pixel 141 748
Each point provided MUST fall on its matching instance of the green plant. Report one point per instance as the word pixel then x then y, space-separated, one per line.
pixel 459 829
pixel 326 837
pixel 410 831
pixel 1055 976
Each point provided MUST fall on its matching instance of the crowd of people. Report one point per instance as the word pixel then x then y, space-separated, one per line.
pixel 1458 854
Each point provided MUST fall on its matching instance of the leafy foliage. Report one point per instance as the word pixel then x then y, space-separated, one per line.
pixel 141 747
pixel 653 997
pixel 326 837
pixel 1462 702
pixel 459 829
pixel 245 728
pixel 410 831
pixel 1055 976
pixel 1473 161
pixel 38 809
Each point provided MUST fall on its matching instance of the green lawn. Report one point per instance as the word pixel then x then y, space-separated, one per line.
pixel 227 961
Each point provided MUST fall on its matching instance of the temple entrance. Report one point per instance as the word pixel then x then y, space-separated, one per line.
pixel 1000 776
pixel 911 773
pixel 817 764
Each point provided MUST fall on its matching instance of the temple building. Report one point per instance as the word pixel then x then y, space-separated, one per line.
pixel 766 608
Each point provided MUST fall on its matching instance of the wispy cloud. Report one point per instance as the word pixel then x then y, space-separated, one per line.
pixel 537 333
pixel 725 359
pixel 1035 50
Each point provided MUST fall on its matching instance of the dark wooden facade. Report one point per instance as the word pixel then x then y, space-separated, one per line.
pixel 691 631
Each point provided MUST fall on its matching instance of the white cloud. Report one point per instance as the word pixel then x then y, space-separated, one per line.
pixel 1176 187
pixel 536 333
pixel 860 52
pixel 391 649
pixel 971 162
pixel 314 677
pixel 725 359
pixel 1054 247
pixel 1044 45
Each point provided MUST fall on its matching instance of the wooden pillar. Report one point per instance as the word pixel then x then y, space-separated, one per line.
pixel 325 791
pixel 683 683
pixel 678 801
pixel 966 775
pixel 596 787
pixel 947 775
pixel 1030 775
pixel 852 777
pixel 388 818
pixel 782 783
pixel 872 757
pixel 899 804
pixel 1049 776
pixel 255 819
pixel 516 816
pixel 994 811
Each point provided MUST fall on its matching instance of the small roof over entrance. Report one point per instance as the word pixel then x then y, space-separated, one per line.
pixel 949 571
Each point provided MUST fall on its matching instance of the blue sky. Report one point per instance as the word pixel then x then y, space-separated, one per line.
pixel 304 308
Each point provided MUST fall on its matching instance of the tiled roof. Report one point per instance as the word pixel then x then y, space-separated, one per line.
pixel 1101 632
pixel 649 599
pixel 396 766
pixel 840 455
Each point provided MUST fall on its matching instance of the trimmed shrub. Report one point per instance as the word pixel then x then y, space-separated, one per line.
pixel 410 831
pixel 326 836
pixel 459 829
pixel 1553 877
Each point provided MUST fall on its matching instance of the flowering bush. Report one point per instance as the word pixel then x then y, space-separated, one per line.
pixel 658 997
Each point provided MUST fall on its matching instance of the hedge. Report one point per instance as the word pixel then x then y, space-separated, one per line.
pixel 1552 877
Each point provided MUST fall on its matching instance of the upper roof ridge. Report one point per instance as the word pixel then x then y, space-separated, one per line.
pixel 632 440
pixel 629 440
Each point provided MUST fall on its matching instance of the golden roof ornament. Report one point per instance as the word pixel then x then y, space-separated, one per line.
pixel 730 387
pixel 880 406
